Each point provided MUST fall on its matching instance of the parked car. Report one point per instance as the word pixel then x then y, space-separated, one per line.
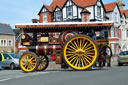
pixel 123 58
pixel 11 60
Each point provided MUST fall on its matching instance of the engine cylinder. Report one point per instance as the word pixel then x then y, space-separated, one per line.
pixel 43 49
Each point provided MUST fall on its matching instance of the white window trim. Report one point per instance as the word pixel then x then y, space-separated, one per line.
pixel 45 17
pixel 99 12
pixel 4 44
pixel 11 43
pixel 112 31
pixel 69 11
pixel 60 16
pixel 116 32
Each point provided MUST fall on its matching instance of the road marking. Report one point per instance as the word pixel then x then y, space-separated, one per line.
pixel 27 75
pixel 5 79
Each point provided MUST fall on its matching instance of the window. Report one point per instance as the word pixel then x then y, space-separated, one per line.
pixel 112 32
pixel 6 55
pixel 116 48
pixel 99 11
pixel 10 43
pixel 113 48
pixel 116 17
pixel 44 17
pixel 58 16
pixel 69 12
pixel 5 43
pixel 127 33
pixel 2 42
pixel 116 32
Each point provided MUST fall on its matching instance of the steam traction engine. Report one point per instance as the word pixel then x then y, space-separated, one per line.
pixel 76 44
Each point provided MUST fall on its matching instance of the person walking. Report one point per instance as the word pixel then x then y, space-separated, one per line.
pixel 1 60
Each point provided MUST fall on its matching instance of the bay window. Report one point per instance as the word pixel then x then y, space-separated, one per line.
pixel 44 17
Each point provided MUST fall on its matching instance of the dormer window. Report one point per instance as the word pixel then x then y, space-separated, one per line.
pixel 99 11
pixel 44 17
pixel 69 12
pixel 58 16
pixel 116 17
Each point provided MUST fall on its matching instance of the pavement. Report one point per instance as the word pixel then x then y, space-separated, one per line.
pixel 53 66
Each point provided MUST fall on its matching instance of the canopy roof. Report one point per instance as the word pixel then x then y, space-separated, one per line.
pixel 63 25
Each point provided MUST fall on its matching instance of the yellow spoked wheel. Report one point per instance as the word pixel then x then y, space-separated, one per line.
pixel 80 52
pixel 29 62
pixel 43 63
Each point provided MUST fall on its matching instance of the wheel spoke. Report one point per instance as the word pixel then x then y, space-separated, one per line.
pixel 76 45
pixel 70 49
pixel 80 52
pixel 75 60
pixel 85 45
pixel 80 44
pixel 73 45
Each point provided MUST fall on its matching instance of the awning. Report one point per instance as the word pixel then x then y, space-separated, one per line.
pixel 64 25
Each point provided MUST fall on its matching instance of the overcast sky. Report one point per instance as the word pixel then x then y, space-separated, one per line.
pixel 22 11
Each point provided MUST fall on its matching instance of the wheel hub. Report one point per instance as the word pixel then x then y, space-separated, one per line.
pixel 80 52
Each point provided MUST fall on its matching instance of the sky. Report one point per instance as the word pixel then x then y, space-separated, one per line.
pixel 23 11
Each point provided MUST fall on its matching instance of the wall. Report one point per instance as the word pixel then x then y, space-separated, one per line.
pixel 7 37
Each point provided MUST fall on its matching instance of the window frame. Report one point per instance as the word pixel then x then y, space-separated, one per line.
pixel 99 11
pixel 58 17
pixel 69 11
pixel 45 17
pixel 9 43
pixel 116 32
pixel 112 32
pixel 113 48
pixel 116 17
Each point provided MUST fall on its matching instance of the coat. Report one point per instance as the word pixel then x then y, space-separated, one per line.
pixel 1 57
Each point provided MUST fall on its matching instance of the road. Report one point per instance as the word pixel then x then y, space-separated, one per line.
pixel 105 76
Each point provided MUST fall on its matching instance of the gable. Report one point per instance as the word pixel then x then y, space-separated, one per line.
pixel 116 9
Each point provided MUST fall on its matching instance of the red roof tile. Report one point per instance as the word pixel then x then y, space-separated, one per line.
pixel 110 6
pixel 48 7
pixel 124 11
pixel 84 3
pixel 60 3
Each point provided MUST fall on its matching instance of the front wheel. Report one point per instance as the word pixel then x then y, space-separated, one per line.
pixel 29 61
pixel 80 52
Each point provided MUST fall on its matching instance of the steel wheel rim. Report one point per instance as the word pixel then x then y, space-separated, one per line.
pixel 28 62
pixel 80 52
pixel 42 63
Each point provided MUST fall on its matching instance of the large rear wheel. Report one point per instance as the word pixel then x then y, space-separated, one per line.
pixel 29 62
pixel 80 52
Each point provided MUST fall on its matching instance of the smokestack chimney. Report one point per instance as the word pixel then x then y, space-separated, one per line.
pixel 35 20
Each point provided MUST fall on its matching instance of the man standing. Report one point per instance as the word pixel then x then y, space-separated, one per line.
pixel 1 60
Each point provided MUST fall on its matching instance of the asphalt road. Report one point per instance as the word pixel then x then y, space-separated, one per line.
pixel 105 76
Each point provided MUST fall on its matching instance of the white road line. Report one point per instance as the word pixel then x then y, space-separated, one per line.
pixel 27 75
pixel 5 79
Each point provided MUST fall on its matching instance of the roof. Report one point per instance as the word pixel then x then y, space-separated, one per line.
pixel 6 29
pixel 63 24
pixel 125 12
pixel 84 3
pixel 61 3
pixel 110 6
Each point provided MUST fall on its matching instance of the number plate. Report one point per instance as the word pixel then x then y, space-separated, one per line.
pixel 124 59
